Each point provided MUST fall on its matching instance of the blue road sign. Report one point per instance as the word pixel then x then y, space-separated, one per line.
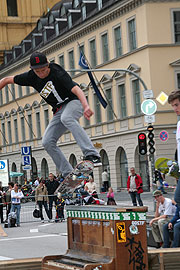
pixel 25 150
pixel 2 165
pixel 26 160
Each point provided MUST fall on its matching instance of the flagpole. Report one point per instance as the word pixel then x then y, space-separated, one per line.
pixel 99 85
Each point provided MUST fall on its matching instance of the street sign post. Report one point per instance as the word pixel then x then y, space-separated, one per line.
pixel 148 107
pixel 26 157
pixel 4 172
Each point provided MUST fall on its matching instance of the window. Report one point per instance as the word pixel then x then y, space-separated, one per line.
pixel 71 61
pixel 176 21
pixel 118 42
pixel 81 49
pixel 110 105
pixel 99 4
pixel 13 91
pixel 61 61
pixel 84 12
pixel 20 91
pixel 38 124
pixel 16 131
pixel 27 90
pixel 105 49
pixel 132 34
pixel 23 134
pixel 3 133
pixel 178 80
pixel 9 132
pixel 12 8
pixel 46 118
pixel 93 53
pixel 122 96
pixel 136 94
pixel 70 20
pixel 7 93
pixel 1 98
pixel 97 109
pixel 30 127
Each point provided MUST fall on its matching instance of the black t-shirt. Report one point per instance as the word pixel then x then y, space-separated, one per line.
pixel 55 89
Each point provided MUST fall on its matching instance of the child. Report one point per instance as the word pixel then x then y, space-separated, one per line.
pixel 59 208
pixel 110 196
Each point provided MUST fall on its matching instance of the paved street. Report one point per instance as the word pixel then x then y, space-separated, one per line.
pixel 34 239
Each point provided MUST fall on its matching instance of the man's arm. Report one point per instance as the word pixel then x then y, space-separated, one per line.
pixel 6 80
pixel 79 93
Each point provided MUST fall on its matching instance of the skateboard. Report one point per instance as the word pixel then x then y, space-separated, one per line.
pixel 81 172
pixel 167 166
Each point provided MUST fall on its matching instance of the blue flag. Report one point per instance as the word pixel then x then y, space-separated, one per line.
pixel 84 65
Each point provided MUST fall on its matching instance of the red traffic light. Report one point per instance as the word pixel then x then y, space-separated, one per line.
pixel 141 136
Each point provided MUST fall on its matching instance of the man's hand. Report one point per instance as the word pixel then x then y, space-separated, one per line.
pixel 170 226
pixel 151 222
pixel 88 112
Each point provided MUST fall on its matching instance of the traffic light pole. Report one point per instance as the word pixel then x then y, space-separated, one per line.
pixel 151 159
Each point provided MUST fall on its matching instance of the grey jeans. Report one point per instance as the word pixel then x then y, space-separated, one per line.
pixel 67 119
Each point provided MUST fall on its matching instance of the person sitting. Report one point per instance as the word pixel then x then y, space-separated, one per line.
pixel 90 187
pixel 110 196
pixel 174 224
pixel 165 209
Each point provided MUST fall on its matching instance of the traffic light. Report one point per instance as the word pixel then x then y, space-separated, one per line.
pixel 142 143
pixel 151 142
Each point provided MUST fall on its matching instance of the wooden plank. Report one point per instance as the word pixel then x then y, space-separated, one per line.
pixel 164 250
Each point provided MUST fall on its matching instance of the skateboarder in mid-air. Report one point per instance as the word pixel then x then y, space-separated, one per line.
pixel 68 103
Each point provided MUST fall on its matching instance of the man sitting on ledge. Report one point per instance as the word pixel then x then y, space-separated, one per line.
pixel 164 212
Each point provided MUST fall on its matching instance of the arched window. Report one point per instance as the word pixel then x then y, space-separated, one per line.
pixel 44 169
pixel 34 172
pixel 73 160
pixel 123 168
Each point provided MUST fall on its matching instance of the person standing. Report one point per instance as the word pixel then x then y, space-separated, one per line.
pixel 68 103
pixel 1 202
pixel 134 187
pixel 41 198
pixel 174 224
pixel 51 186
pixel 16 196
pixel 174 101
pixel 105 180
pixel 8 199
pixel 164 212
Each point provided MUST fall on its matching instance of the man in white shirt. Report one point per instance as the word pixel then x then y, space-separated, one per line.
pixel 91 185
pixel 165 210
pixel 174 100
pixel 105 180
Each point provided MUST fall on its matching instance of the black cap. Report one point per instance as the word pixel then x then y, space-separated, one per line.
pixel 38 60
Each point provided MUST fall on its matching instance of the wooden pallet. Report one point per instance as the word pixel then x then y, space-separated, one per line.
pixel 164 259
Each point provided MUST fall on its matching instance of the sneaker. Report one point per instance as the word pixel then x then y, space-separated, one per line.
pixel 95 160
pixel 42 221
pixel 50 220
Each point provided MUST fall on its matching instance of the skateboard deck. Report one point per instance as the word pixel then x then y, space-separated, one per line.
pixel 74 179
pixel 167 166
